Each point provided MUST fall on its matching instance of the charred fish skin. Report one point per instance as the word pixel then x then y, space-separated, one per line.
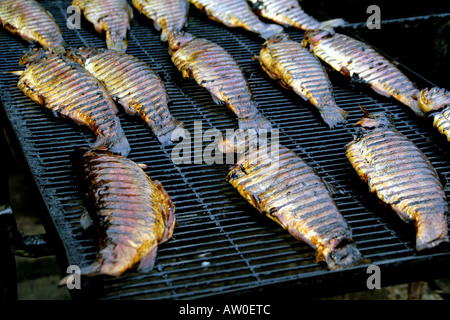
pixel 213 68
pixel 111 17
pixel 298 69
pixel 134 85
pixel 31 21
pixel 64 87
pixel 236 14
pixel 283 187
pixel 167 15
pixel 401 176
pixel 289 13
pixel 131 213
pixel 435 102
pixel 361 62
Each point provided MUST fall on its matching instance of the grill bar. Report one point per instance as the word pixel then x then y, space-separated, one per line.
pixel 220 245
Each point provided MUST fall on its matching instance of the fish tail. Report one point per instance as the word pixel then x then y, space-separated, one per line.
pixel 269 30
pixel 329 25
pixel 117 144
pixel 345 254
pixel 171 133
pixel 116 43
pixel 90 271
pixel 431 233
pixel 334 116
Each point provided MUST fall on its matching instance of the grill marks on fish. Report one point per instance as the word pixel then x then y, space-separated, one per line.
pixel 68 90
pixel 363 64
pixel 290 13
pixel 167 15
pixel 402 177
pixel 133 84
pixel 282 186
pixel 213 68
pixel 236 14
pixel 31 21
pixel 132 213
pixel 111 17
pixel 298 69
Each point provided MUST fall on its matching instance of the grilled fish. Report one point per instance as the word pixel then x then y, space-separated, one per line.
pixel 298 69
pixel 401 176
pixel 289 13
pixel 362 63
pixel 31 21
pixel 132 84
pixel 283 187
pixel 213 68
pixel 236 14
pixel 64 87
pixel 131 213
pixel 436 103
pixel 111 17
pixel 167 15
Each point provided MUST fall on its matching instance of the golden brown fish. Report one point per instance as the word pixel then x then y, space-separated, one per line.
pixel 213 68
pixel 31 21
pixel 167 15
pixel 436 103
pixel 283 187
pixel 289 13
pixel 132 84
pixel 401 176
pixel 111 17
pixel 362 63
pixel 298 69
pixel 131 213
pixel 64 87
pixel 236 14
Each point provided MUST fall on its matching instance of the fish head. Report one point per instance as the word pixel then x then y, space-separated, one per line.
pixel 311 38
pixel 178 39
pixel 375 120
pixel 33 54
pixel 433 99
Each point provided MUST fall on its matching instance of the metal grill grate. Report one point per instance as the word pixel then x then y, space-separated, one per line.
pixel 220 245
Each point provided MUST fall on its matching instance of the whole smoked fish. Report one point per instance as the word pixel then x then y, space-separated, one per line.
pixel 134 85
pixel 236 14
pixel 213 68
pixel 111 17
pixel 363 64
pixel 64 87
pixel 401 176
pixel 131 213
pixel 283 187
pixel 289 13
pixel 298 69
pixel 31 21
pixel 436 103
pixel 167 15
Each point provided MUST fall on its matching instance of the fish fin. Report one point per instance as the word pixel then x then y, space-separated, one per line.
pixel 130 11
pixel 333 116
pixel 148 260
pixel 381 92
pixel 270 30
pixel 256 58
pixel 86 220
pixel 168 211
pixel 17 72
pixel 142 165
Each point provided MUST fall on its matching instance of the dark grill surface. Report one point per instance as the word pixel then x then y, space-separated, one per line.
pixel 221 244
